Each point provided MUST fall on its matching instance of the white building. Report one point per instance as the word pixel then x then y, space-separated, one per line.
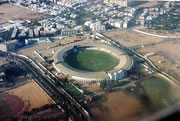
pixel 125 24
pixel 118 24
pixel 97 27
pixel 68 32
pixel 117 75
pixel 9 45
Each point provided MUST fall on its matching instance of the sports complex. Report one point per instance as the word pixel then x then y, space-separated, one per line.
pixel 92 62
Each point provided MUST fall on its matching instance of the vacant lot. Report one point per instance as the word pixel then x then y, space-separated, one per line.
pixel 160 32
pixel 118 107
pixel 167 56
pixel 158 91
pixel 130 38
pixel 29 50
pixel 9 11
pixel 148 4
pixel 32 95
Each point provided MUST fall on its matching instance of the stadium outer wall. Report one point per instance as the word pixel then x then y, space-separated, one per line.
pixel 120 71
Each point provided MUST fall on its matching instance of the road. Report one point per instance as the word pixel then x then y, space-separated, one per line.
pixel 155 35
pixel 76 113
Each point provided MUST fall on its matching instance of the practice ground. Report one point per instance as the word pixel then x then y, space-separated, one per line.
pixel 9 105
pixel 32 95
pixel 10 11
pixel 92 60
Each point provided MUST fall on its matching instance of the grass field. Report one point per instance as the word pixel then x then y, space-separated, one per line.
pixel 74 92
pixel 92 60
pixel 158 91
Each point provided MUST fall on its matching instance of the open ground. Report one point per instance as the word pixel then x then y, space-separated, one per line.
pixel 11 11
pixel 46 49
pixel 130 38
pixel 148 4
pixel 32 95
pixel 130 104
pixel 160 32
pixel 118 106
pixel 166 58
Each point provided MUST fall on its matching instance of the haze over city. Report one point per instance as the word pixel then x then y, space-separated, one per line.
pixel 89 60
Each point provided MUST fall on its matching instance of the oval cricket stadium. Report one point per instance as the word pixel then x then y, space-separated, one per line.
pixel 92 62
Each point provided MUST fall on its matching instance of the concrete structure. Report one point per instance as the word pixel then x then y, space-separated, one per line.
pixel 97 27
pixel 123 3
pixel 14 33
pixel 119 72
pixel 31 33
pixel 2 77
pixel 68 32
pixel 1 39
pixel 9 45
pixel 2 31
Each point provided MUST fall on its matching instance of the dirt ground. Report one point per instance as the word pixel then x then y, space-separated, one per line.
pixel 149 4
pixel 48 52
pixel 130 38
pixel 32 95
pixel 2 61
pixel 45 49
pixel 13 11
pixel 119 107
pixel 160 32
pixel 29 50
pixel 91 87
pixel 167 56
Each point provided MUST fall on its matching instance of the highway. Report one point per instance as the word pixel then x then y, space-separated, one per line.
pixel 74 111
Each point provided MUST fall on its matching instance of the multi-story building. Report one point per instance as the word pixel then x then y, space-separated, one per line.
pixel 9 45
pixel 68 32
pixel 97 27
pixel 123 3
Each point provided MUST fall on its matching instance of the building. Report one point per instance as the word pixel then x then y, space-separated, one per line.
pixel 8 26
pixel 117 23
pixel 1 39
pixel 9 45
pixel 36 32
pixel 31 33
pixel 125 24
pixel 97 27
pixel 68 32
pixel 44 39
pixel 14 33
pixel 2 77
pixel 22 34
pixel 123 3
pixel 2 31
